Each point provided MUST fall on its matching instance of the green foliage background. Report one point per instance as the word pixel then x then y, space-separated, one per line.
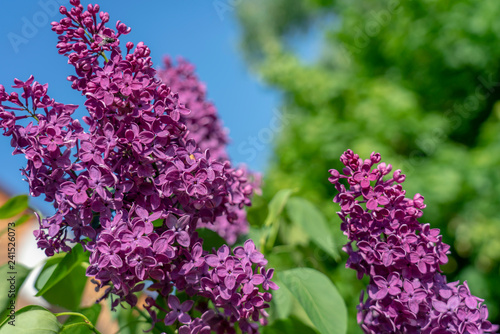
pixel 417 81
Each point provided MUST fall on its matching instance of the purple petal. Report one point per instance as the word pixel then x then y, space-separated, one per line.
pixel 257 257
pixel 371 204
pixel 380 281
pixel 273 285
pixel 422 267
pixel 80 197
pixel 171 317
pixel 257 279
pixel 230 281
pixel 248 288
pixel 223 252
pixel 212 260
pixel 186 306
pixel 184 318
pixel 439 306
pixel 173 302
pixel 453 302
pixel 160 245
pixel 116 261
pixel 183 239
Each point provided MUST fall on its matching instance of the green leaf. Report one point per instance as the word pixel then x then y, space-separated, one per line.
pixel 284 257
pixel 282 301
pixel 158 222
pixel 318 297
pixel 210 239
pixel 70 261
pixel 14 206
pixel 32 319
pixel 254 233
pixel 131 322
pixel 273 219
pixel 23 219
pixel 92 313
pixel 289 325
pixel 7 295
pixel 304 214
pixel 72 285
pixel 276 205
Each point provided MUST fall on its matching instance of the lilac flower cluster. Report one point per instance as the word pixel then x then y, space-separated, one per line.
pixel 206 129
pixel 407 292
pixel 133 188
pixel 203 122
pixel 229 282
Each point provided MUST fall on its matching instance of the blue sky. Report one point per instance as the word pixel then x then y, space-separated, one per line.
pixel 193 29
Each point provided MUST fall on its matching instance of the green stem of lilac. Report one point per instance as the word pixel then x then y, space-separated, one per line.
pixel 104 56
pixel 91 39
pixel 32 114
pixel 141 312
pixel 130 323
pixel 86 320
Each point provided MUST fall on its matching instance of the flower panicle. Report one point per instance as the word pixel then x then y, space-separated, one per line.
pixel 206 129
pixel 407 292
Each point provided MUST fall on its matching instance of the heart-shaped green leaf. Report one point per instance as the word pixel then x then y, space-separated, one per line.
pixel 319 298
pixel 70 261
pixel 66 292
pixel 32 319
pixel 304 214
pixel 76 325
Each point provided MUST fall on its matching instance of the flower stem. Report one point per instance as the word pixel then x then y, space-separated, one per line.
pixel 87 321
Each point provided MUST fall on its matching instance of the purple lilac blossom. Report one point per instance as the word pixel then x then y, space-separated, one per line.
pixel 135 186
pixel 407 292
pixel 204 126
pixel 203 122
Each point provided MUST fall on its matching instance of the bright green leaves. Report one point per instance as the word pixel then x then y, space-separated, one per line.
pixel 210 239
pixel 307 300
pixel 276 206
pixel 131 322
pixel 304 214
pixel 308 223
pixel 62 279
pixel 272 223
pixel 286 326
pixel 14 206
pixel 36 319
pixel 76 324
pixel 318 297
pixel 21 220
pixel 33 319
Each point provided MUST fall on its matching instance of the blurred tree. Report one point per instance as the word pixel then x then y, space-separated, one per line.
pixel 417 81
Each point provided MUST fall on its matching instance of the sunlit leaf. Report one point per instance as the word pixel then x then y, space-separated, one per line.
pixel 70 261
pixel 32 319
pixel 14 206
pixel 318 297
pixel 304 214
